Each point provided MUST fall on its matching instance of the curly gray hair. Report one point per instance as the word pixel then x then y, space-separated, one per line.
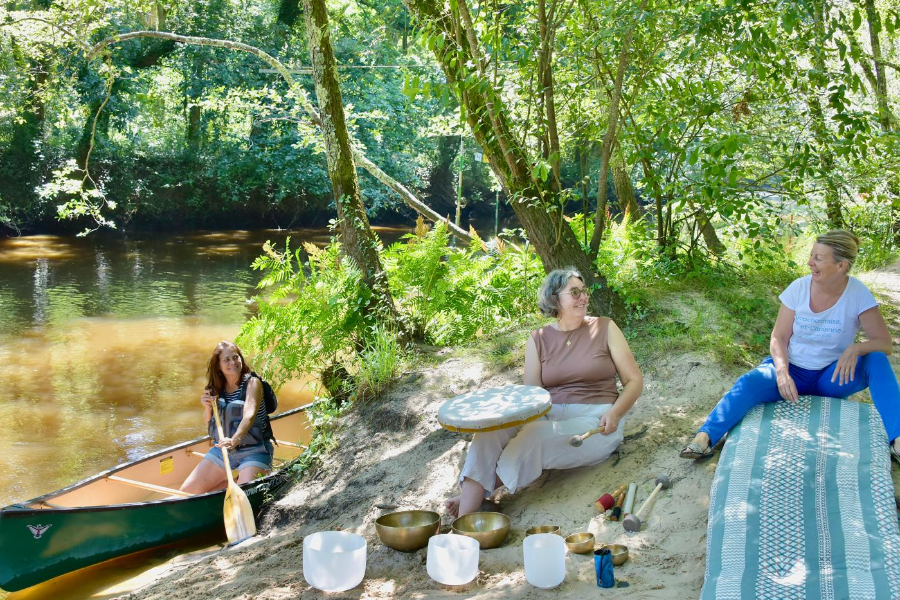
pixel 554 283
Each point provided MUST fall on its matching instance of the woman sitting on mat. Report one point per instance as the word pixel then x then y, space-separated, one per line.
pixel 243 415
pixel 576 359
pixel 813 349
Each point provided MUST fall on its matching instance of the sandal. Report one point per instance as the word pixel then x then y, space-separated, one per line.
pixel 694 451
pixel 894 454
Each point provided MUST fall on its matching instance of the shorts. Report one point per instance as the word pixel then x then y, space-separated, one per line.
pixel 259 456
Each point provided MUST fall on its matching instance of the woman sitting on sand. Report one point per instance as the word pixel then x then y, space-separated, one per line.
pixel 813 349
pixel 243 414
pixel 576 359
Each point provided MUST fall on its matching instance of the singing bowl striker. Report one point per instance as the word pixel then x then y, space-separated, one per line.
pixel 489 528
pixel 542 529
pixel 407 530
pixel 618 551
pixel 579 543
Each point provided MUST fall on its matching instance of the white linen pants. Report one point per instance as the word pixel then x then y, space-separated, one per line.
pixel 518 455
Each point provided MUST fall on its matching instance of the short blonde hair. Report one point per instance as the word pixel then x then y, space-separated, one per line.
pixel 844 245
pixel 554 283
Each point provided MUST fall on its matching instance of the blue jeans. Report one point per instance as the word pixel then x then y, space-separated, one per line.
pixel 760 385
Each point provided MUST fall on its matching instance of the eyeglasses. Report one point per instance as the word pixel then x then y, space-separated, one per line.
pixel 576 293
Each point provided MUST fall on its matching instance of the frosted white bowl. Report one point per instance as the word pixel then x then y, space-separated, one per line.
pixel 452 559
pixel 545 560
pixel 334 561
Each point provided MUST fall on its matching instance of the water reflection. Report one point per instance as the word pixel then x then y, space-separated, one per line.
pixel 104 343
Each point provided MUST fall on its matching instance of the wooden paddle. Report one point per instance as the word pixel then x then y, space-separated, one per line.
pixel 239 522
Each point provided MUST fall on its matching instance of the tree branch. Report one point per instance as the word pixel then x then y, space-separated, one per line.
pixel 301 96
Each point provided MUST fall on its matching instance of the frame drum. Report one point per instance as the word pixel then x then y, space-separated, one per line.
pixel 494 408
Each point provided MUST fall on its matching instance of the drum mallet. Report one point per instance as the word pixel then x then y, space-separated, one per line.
pixel 617 509
pixel 633 522
pixel 629 499
pixel 577 440
pixel 607 501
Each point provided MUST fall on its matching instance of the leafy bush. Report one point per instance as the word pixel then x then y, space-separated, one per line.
pixel 310 319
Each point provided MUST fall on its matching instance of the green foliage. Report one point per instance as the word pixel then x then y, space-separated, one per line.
pixel 379 362
pixel 448 295
pixel 310 317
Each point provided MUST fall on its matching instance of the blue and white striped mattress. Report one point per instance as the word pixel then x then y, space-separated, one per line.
pixel 802 506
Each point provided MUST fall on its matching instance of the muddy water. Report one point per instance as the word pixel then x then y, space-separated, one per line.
pixel 103 346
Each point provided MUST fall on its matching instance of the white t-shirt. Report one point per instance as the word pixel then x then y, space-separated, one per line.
pixel 819 339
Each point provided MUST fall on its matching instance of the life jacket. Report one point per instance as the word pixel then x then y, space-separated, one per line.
pixel 232 413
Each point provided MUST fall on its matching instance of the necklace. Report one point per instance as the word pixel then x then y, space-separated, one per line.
pixel 569 335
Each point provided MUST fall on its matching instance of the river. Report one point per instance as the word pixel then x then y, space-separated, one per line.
pixel 104 343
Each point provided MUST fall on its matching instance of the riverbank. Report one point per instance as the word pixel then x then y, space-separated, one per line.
pixel 394 453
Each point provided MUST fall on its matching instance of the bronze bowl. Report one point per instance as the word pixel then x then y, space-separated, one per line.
pixel 618 552
pixel 542 529
pixel 407 530
pixel 579 543
pixel 489 528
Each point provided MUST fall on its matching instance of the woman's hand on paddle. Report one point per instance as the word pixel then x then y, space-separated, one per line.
pixel 228 444
pixel 787 388
pixel 206 399
pixel 609 421
pixel 845 370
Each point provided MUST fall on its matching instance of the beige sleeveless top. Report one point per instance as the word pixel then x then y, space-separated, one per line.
pixel 580 372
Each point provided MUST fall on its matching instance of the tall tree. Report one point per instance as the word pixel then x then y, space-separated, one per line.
pixel 454 41
pixel 357 238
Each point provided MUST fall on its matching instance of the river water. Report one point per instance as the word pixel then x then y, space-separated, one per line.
pixel 104 344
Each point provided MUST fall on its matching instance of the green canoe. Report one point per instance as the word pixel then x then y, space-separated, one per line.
pixel 132 507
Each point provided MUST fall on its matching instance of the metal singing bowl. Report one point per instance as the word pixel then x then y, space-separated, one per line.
pixel 618 551
pixel 489 528
pixel 542 529
pixel 407 530
pixel 579 543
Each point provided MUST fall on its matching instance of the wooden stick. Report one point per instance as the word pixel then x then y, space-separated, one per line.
pixel 149 486
pixel 640 512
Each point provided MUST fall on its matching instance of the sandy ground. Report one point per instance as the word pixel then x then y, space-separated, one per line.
pixel 395 453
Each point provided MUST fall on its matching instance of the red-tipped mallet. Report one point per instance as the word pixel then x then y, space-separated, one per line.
pixel 617 509
pixel 633 521
pixel 607 501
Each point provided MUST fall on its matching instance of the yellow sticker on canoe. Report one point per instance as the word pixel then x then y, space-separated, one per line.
pixel 166 465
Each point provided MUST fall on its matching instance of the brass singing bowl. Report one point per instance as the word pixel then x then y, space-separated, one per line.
pixel 579 543
pixel 407 530
pixel 542 529
pixel 489 528
pixel 618 551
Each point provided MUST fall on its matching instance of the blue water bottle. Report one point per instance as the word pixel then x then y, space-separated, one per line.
pixel 604 567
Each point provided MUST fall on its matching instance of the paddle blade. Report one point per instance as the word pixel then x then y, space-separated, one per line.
pixel 239 521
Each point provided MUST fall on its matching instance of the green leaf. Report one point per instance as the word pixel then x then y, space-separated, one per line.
pixel 857 19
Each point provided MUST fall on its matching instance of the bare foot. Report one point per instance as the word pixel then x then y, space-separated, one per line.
pixel 451 506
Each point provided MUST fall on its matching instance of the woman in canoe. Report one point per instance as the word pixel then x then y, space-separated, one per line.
pixel 242 410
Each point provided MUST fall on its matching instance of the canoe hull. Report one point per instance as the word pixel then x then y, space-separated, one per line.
pixel 40 540
pixel 36 545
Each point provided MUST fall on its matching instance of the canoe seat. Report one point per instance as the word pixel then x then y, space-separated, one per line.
pixel 149 486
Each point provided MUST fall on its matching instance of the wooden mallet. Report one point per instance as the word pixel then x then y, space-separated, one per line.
pixel 607 501
pixel 577 440
pixel 633 521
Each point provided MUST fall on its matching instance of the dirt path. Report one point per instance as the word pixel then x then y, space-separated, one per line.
pixel 395 453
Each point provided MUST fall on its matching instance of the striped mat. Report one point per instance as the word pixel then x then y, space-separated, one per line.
pixel 802 506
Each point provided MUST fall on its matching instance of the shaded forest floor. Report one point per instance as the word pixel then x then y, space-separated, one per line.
pixel 394 453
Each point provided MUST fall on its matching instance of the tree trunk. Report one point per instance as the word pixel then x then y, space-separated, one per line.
pixel 489 122
pixel 820 127
pixel 609 137
pixel 194 93
pixel 624 190
pixel 357 238
pixel 713 243
pixel 884 112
